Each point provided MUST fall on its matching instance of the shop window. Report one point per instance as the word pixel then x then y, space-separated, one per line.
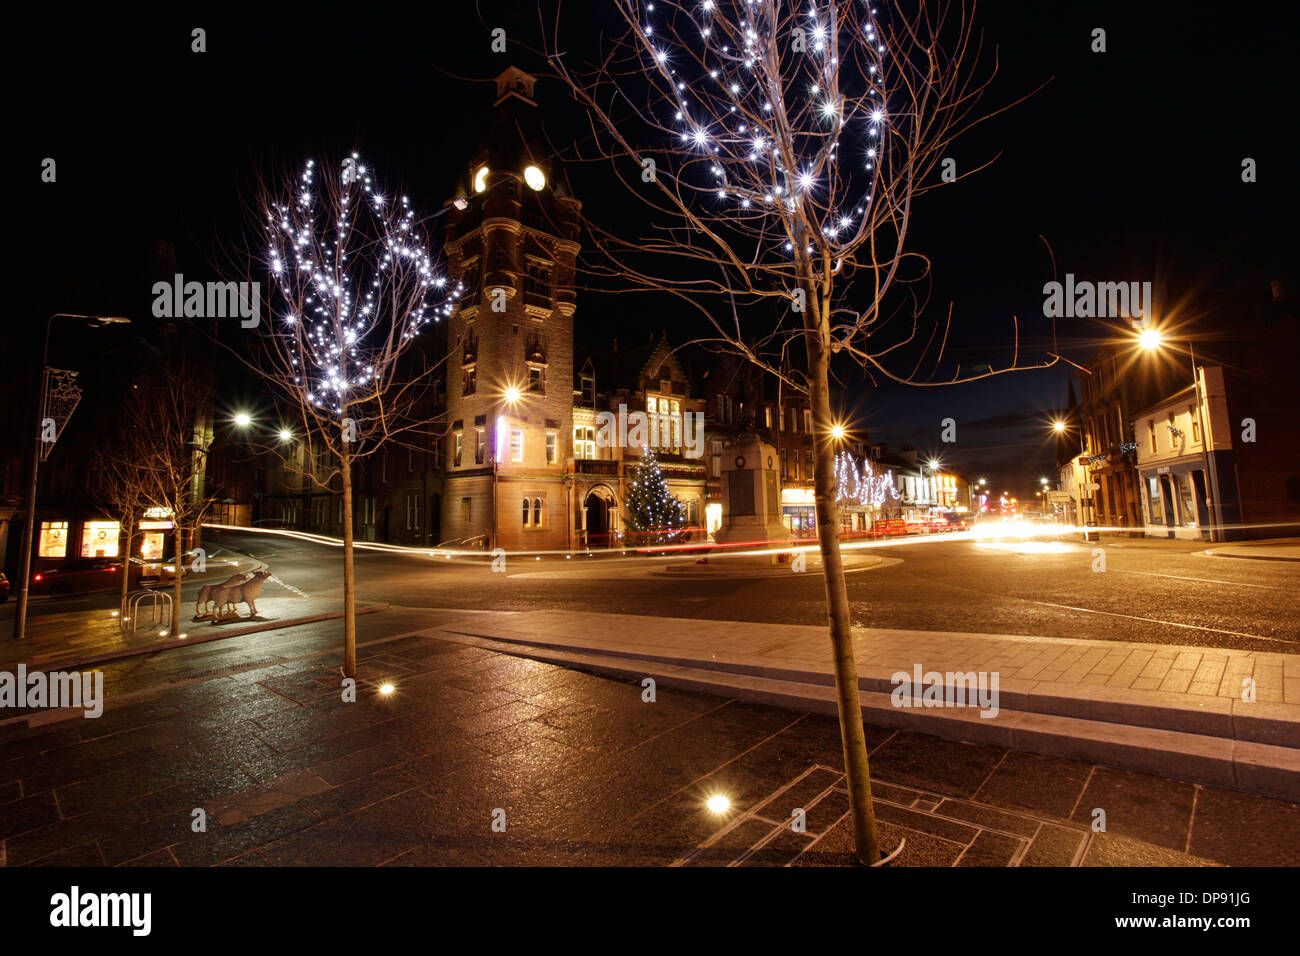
pixel 1155 507
pixel 54 539
pixel 99 539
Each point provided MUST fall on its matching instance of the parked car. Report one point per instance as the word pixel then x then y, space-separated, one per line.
pixel 97 574
pixel 4 588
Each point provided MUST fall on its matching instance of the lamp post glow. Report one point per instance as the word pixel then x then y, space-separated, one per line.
pixel 511 397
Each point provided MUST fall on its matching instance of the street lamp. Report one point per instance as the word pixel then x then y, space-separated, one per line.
pixel 243 419
pixel 1150 339
pixel 25 553
pixel 509 397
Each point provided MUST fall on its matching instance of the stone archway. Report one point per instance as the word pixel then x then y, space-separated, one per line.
pixel 598 505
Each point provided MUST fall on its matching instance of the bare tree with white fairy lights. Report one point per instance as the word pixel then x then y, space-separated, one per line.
pixel 352 285
pixel 781 148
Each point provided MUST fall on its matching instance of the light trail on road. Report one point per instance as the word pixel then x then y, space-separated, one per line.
pixel 1153 620
pixel 1183 577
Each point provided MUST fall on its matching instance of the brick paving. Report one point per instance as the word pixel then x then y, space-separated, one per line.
pixel 583 769
pixel 1045 664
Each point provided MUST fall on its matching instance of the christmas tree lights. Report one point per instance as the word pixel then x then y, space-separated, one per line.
pixel 651 511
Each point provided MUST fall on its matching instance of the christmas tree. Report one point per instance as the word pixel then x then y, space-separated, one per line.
pixel 652 514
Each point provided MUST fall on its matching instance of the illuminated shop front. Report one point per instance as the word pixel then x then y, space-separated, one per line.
pixel 54 540
pixel 101 539
pixel 153 533
pixel 799 511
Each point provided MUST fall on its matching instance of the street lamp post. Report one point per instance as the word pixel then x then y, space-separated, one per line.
pixel 511 398
pixel 1151 339
pixel 29 532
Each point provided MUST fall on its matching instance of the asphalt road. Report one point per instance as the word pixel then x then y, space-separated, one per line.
pixel 1155 592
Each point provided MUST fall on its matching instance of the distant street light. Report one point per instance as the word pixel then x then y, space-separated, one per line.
pixel 286 435
pixel 837 432
pixel 1058 427
pixel 243 419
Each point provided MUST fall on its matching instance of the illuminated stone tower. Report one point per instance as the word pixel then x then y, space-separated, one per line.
pixel 512 238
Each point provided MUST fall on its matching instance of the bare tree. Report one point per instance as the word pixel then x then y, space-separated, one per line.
pixel 170 414
pixel 122 483
pixel 352 285
pixel 781 148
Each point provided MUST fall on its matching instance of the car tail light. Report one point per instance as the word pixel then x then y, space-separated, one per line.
pixel 37 578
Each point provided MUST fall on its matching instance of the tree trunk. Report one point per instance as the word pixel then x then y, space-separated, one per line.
pixel 177 575
pixel 126 568
pixel 837 602
pixel 349 578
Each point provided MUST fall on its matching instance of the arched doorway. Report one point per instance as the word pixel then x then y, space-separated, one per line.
pixel 596 506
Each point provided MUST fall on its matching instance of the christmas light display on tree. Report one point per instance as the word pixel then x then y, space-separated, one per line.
pixel 862 485
pixel 352 284
pixel 651 512
pixel 788 143
pixel 355 280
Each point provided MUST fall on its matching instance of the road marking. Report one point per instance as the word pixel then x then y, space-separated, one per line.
pixel 289 586
pixel 1152 620
pixel 1240 584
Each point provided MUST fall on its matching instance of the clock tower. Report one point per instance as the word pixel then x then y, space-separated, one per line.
pixel 512 238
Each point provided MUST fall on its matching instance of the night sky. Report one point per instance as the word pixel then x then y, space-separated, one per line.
pixel 1127 163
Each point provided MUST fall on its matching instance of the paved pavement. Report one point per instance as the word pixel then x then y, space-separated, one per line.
pixel 583 771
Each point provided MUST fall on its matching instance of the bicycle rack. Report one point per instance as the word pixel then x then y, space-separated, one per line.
pixel 159 608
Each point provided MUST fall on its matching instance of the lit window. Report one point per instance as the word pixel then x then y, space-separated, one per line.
pixel 460 443
pixel 535 178
pixel 552 448
pixel 54 539
pixel 807 420
pixel 99 539
pixel 480 445
pixel 516 444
